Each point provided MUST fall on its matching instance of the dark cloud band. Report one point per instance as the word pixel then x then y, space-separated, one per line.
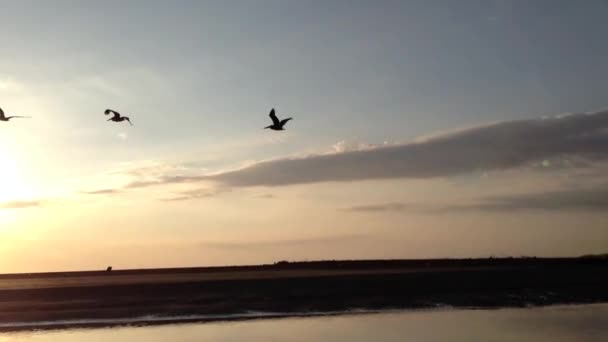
pixel 491 147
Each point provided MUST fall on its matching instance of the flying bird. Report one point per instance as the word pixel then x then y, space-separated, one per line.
pixel 276 124
pixel 117 117
pixel 7 118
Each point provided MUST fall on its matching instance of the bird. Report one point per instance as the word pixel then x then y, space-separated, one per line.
pixel 276 124
pixel 7 118
pixel 117 117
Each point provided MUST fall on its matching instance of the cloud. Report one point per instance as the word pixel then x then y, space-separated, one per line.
pixel 196 194
pixel 286 243
pixel 496 146
pixel 595 199
pixel 20 204
pixel 265 196
pixel 163 180
pixel 583 199
pixel 347 146
pixel 577 140
pixel 102 192
pixel 384 207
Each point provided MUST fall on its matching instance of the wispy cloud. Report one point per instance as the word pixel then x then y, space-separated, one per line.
pixel 164 180
pixel 583 199
pixel 384 207
pixel 102 192
pixel 196 194
pixel 20 204
pixel 286 243
pixel 265 196
pixel 595 199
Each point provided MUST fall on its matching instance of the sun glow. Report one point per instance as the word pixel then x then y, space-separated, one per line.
pixel 13 185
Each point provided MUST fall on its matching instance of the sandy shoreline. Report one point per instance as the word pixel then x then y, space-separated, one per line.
pixel 114 298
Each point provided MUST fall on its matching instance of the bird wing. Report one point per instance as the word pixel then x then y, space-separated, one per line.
pixel 284 121
pixel 116 114
pixel 274 118
pixel 2 113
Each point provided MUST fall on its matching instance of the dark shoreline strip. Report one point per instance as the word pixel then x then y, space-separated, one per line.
pixel 237 293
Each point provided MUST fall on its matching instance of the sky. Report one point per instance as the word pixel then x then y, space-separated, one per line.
pixel 420 129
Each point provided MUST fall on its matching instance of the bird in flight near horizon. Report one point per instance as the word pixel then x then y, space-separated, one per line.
pixel 7 118
pixel 276 124
pixel 117 117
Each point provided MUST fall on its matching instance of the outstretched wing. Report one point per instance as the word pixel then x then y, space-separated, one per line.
pixel 284 121
pixel 2 113
pixel 274 118
pixel 116 114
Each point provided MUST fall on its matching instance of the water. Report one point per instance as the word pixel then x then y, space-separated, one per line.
pixel 556 324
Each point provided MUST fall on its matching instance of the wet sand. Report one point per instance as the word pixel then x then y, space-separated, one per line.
pixel 295 288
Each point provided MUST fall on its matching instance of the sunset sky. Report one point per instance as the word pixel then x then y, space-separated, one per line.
pixel 421 129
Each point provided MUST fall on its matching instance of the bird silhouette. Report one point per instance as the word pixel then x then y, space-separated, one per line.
pixel 7 118
pixel 117 117
pixel 276 124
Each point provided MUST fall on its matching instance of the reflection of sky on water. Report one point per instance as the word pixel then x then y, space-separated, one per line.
pixel 556 324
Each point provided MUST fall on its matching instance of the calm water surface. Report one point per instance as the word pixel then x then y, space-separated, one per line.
pixel 558 323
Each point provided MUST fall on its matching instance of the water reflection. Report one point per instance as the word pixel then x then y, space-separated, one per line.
pixel 556 324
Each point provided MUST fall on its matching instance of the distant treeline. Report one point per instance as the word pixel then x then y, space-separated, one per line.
pixel 447 262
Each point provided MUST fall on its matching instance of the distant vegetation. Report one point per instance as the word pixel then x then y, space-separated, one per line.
pixel 595 256
pixel 445 262
pixel 592 259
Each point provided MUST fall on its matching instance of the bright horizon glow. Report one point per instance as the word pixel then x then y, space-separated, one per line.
pixel 13 186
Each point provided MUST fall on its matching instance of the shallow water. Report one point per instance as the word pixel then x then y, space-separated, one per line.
pixel 557 324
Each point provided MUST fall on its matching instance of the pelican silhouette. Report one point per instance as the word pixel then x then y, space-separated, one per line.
pixel 117 117
pixel 276 124
pixel 7 118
